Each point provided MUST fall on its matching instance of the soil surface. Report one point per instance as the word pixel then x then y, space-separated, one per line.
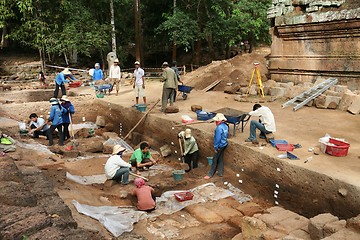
pixel 304 127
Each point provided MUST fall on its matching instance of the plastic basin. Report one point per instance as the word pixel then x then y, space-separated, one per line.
pixel 141 107
pixel 178 174
pixel 210 160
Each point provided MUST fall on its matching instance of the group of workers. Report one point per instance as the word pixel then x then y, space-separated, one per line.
pixel 60 118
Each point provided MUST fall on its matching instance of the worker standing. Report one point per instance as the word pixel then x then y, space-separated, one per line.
pixel 220 144
pixel 139 83
pixel 56 119
pixel 170 84
pixel 62 78
pixel 97 73
pixel 115 75
pixel 67 115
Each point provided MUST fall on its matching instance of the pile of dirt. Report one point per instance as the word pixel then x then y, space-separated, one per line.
pixel 235 70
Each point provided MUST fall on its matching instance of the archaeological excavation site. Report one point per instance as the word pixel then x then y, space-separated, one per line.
pixel 298 182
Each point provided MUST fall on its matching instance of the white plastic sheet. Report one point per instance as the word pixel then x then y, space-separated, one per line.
pixel 119 219
pixel 86 180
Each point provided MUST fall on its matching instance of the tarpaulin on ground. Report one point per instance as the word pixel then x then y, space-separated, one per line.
pixel 85 180
pixel 121 219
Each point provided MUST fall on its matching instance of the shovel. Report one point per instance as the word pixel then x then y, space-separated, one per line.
pixel 183 165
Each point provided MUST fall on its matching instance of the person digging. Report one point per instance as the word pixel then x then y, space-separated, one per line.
pixel 191 150
pixel 266 123
pixel 38 126
pixel 141 158
pixel 116 168
pixel 220 144
pixel 145 196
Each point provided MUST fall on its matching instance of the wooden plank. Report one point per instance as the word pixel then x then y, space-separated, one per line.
pixel 211 86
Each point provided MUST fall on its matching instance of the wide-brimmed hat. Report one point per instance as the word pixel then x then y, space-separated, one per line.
pixel 187 133
pixel 64 98
pixel 219 117
pixel 116 60
pixel 137 63
pixel 66 71
pixel 117 149
pixel 54 101
pixel 165 64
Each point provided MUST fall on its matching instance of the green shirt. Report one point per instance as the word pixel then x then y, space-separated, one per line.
pixel 169 78
pixel 138 155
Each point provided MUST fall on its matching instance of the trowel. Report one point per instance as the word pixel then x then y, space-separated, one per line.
pixel 183 165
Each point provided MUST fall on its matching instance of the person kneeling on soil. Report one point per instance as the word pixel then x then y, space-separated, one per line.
pixel 220 144
pixel 191 150
pixel 38 126
pixel 144 194
pixel 142 157
pixel 266 123
pixel 116 168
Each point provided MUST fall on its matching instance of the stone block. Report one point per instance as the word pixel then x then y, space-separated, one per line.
pixel 83 133
pixel 324 101
pixel 232 89
pixel 229 202
pixel 291 224
pixel 333 227
pixel 340 88
pixel 224 211
pixel 71 154
pixel 273 219
pixel 108 135
pixel 238 237
pixel 171 109
pixel 253 90
pixel 354 223
pixel 300 234
pixel 253 228
pixel 317 223
pixel 345 234
pixel 347 100
pixel 271 83
pixel 92 146
pixel 243 90
pixel 266 90
pixel 275 209
pixel 272 234
pixel 250 208
pixel 100 121
pixel 165 150
pixel 333 93
pixel 278 91
pixel 236 221
pixel 203 214
pixel 285 85
pixel 355 106
pixel 195 108
pixel 240 98
pixel 110 143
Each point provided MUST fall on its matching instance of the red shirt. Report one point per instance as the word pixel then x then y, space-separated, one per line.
pixel 145 200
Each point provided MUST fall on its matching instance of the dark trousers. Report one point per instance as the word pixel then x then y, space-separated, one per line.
pixel 168 93
pixel 134 163
pixel 50 134
pixel 122 175
pixel 66 133
pixel 192 159
pixel 218 163
pixel 38 133
pixel 63 90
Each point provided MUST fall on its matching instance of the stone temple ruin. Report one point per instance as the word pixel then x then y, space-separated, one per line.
pixel 314 39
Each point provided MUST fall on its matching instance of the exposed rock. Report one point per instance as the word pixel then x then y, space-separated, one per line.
pixel 109 127
pixel 354 223
pixel 232 89
pixel 278 91
pixel 271 83
pixel 93 146
pixel 333 227
pixel 100 121
pixel 347 100
pixel 355 106
pixel 195 108
pixel 171 109
pixel 82 133
pixel 253 228
pixel 203 214
pixel 240 98
pixel 317 223
pixel 165 150
pixel 108 135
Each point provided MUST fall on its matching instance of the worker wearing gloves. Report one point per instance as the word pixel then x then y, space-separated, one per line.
pixel 191 150
pixel 220 144
pixel 116 168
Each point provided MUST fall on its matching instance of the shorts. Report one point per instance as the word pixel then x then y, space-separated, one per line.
pixel 139 91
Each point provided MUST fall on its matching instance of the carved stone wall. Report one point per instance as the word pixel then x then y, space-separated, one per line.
pixel 313 39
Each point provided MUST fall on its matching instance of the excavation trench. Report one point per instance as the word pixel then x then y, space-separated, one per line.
pixel 303 191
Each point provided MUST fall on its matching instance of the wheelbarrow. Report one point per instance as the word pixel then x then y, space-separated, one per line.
pixel 184 90
pixel 236 117
pixel 101 89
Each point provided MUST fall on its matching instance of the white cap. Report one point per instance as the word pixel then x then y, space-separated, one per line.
pixel 97 64
pixel 137 63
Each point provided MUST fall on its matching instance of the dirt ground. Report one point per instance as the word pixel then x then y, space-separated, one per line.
pixel 305 127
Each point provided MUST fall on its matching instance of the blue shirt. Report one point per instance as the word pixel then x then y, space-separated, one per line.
pixel 97 75
pixel 56 113
pixel 60 78
pixel 221 135
pixel 68 108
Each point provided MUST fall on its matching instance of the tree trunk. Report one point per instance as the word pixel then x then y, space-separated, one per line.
pixel 198 52
pixel 66 59
pixel 4 41
pixel 174 43
pixel 211 46
pixel 42 60
pixel 137 30
pixel 113 36
pixel 73 56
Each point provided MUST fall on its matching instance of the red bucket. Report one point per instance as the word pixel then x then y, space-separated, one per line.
pixel 339 150
pixel 183 196
pixel 285 147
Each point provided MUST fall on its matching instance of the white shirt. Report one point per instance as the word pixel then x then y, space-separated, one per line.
pixel 40 121
pixel 115 72
pixel 113 164
pixel 139 73
pixel 266 117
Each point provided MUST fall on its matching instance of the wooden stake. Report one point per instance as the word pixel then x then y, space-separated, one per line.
pixel 137 175
pixel 192 123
